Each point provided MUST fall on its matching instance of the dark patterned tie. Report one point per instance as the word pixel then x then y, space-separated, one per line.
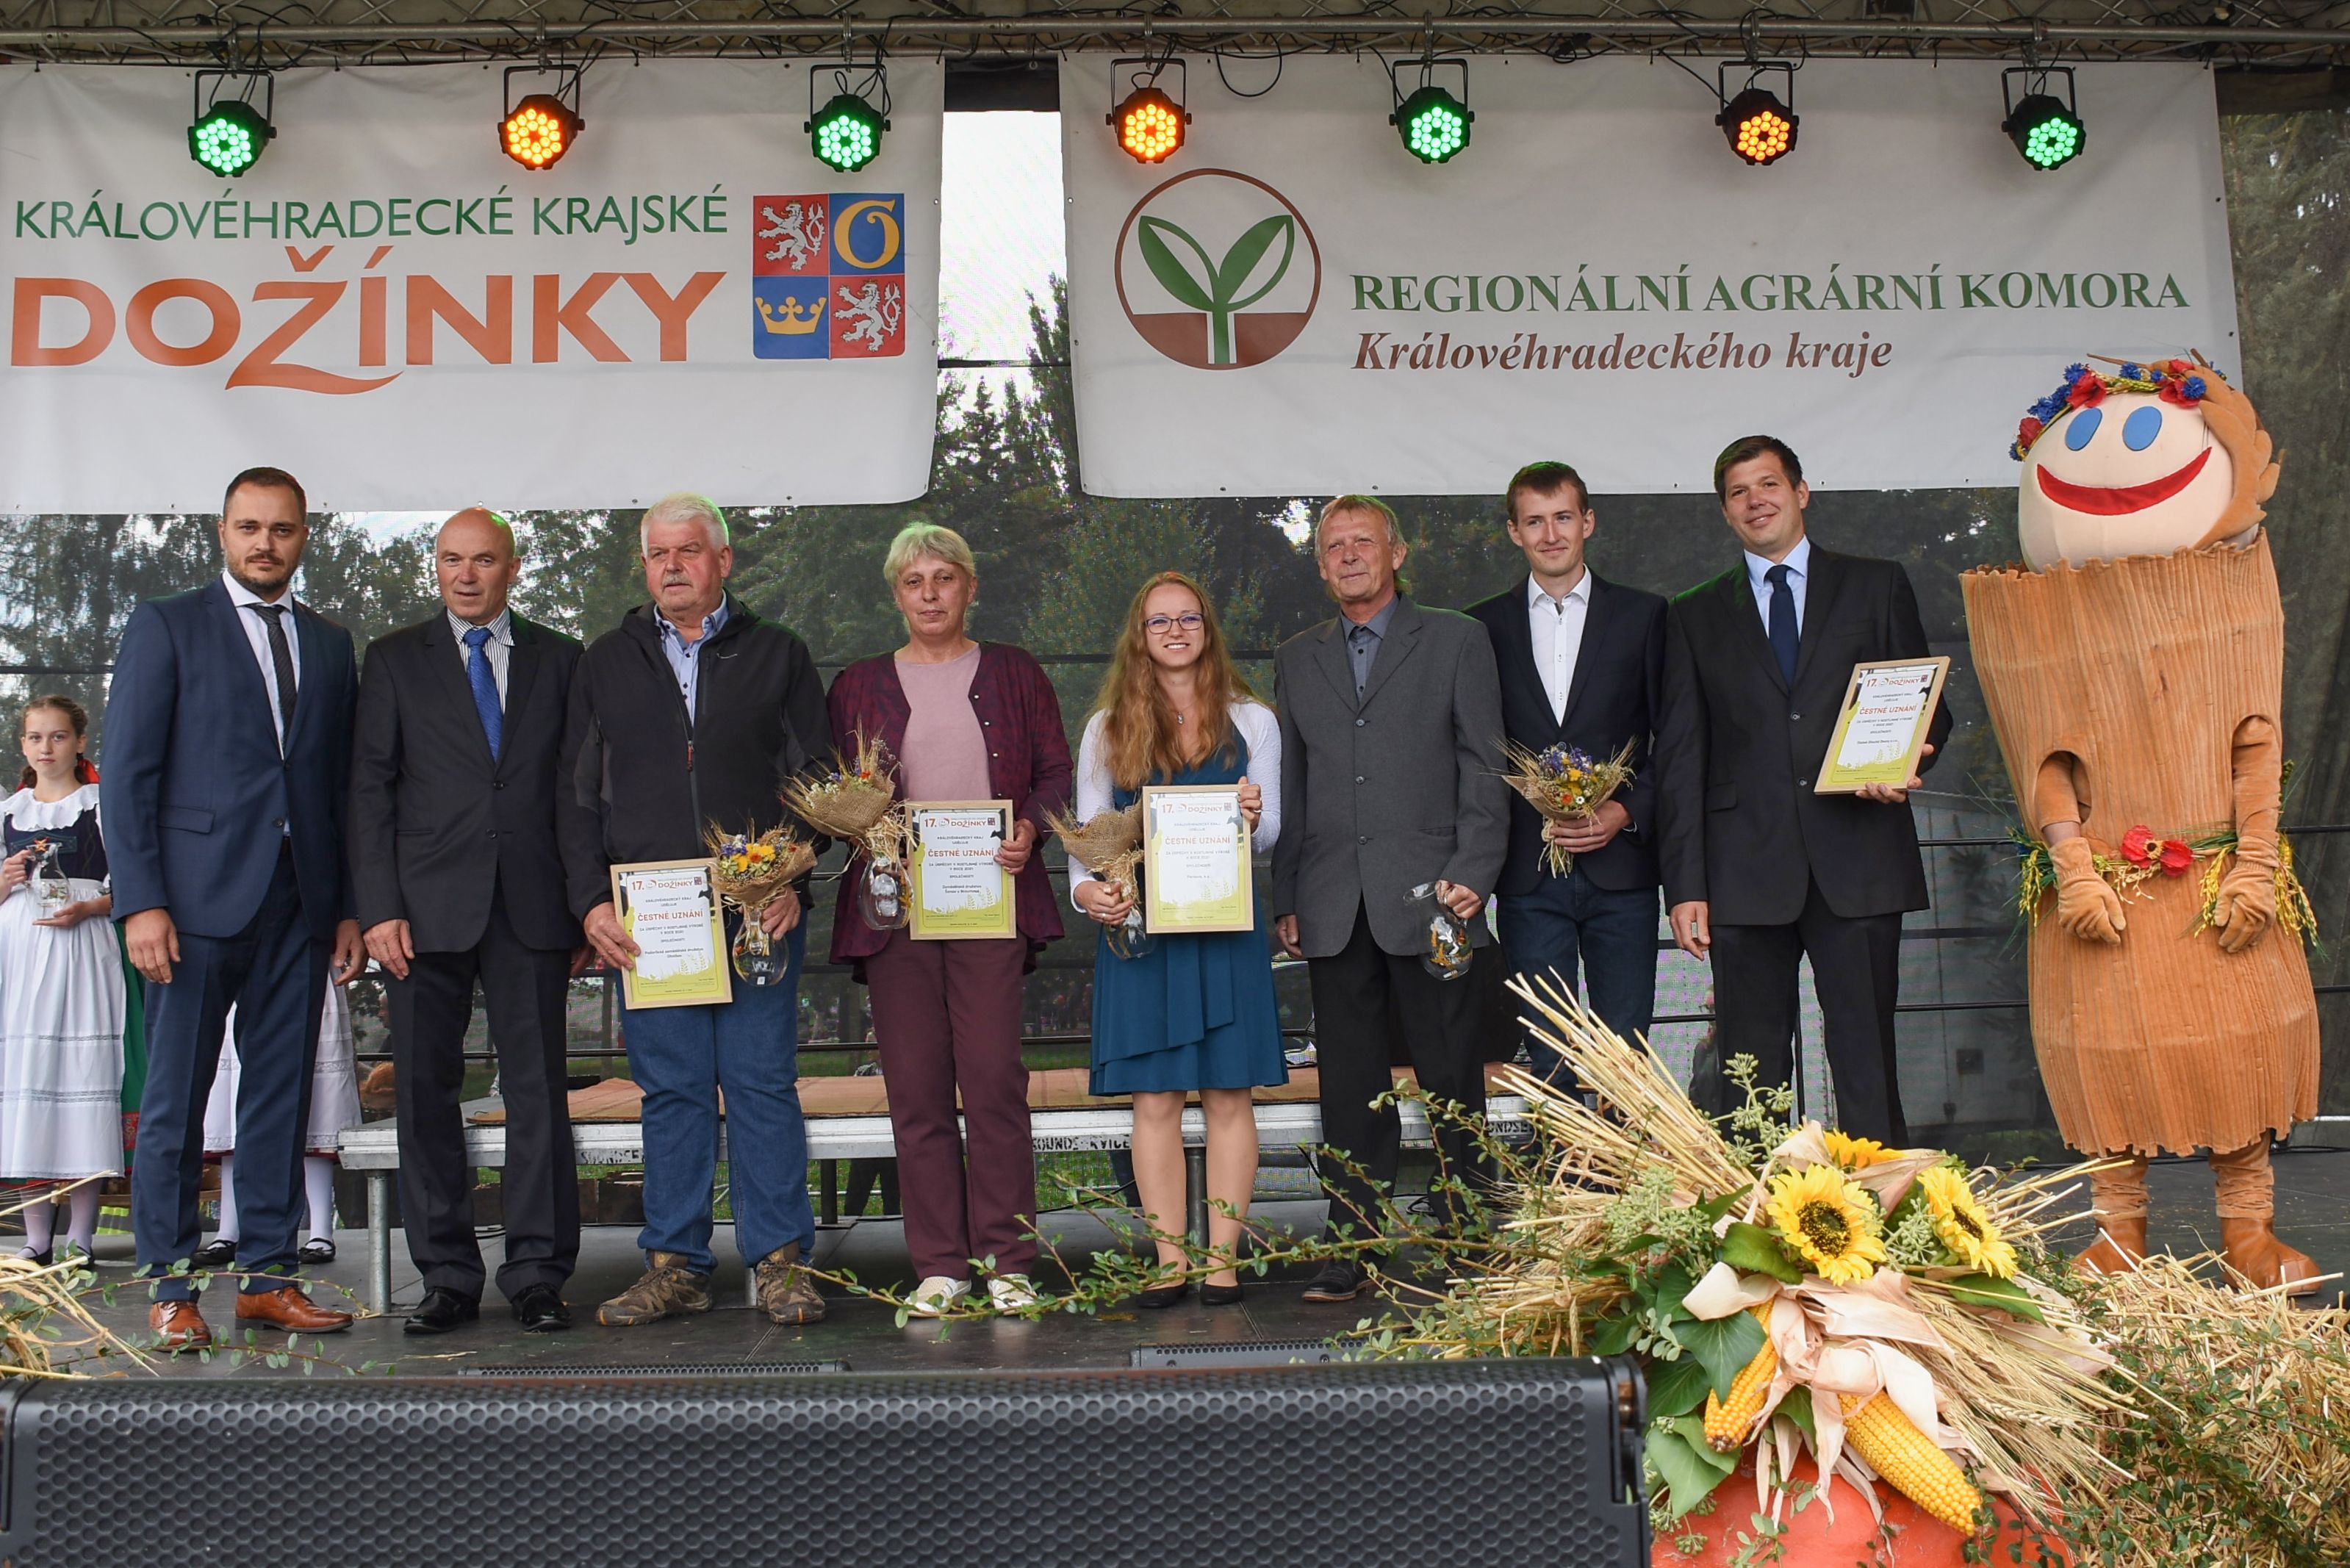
pixel 1783 622
pixel 281 659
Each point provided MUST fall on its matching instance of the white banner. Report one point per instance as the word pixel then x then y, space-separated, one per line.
pixel 1598 279
pixel 393 310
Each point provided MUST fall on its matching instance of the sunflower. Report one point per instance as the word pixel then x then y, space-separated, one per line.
pixel 1962 1222
pixel 1829 1222
pixel 1856 1153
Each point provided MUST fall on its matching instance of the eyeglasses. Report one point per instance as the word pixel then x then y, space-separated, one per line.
pixel 1160 625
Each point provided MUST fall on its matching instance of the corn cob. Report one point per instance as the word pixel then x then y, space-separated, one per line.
pixel 1727 1425
pixel 1897 1450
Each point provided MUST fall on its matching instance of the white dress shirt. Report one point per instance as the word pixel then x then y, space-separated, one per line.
pixel 498 650
pixel 256 636
pixel 1558 627
pixel 1258 730
pixel 1799 575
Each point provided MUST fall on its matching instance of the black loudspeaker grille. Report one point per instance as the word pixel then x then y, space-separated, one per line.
pixel 660 1369
pixel 1241 1353
pixel 1500 1462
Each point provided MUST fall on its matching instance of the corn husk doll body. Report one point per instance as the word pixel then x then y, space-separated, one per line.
pixel 2134 672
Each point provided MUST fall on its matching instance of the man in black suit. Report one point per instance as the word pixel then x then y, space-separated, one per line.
pixel 1759 870
pixel 455 829
pixel 1582 663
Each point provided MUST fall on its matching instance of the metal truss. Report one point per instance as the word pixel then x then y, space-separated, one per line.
pixel 2272 33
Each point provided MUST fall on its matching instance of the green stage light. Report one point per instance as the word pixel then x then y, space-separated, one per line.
pixel 228 133
pixel 1758 126
pixel 846 133
pixel 1434 124
pixel 2045 131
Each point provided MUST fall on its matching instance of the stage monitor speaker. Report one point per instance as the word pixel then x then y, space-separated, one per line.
pixel 1516 1462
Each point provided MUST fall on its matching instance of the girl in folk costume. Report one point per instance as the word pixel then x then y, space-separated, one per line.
pixel 2133 669
pixel 61 989
pixel 1193 1013
pixel 334 1108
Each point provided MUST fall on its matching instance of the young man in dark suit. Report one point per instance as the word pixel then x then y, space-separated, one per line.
pixel 1760 870
pixel 1582 664
pixel 460 802
pixel 228 748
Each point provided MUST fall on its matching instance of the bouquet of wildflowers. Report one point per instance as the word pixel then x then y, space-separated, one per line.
pixel 749 870
pixel 1565 783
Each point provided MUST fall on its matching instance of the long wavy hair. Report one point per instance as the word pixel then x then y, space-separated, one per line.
pixel 1139 727
pixel 76 715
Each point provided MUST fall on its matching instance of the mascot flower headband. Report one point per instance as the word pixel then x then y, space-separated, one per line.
pixel 2173 380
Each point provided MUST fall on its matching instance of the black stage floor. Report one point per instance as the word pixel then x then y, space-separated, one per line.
pixel 2312 1208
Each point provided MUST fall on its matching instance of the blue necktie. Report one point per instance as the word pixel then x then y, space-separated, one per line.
pixel 485 682
pixel 1783 622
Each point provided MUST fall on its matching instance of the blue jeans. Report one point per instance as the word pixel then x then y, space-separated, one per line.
pixel 680 1057
pixel 1613 934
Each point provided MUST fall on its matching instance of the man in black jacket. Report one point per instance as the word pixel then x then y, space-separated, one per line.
pixel 1758 870
pixel 1581 661
pixel 455 817
pixel 691 715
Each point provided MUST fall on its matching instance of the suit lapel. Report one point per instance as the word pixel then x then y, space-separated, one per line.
pixel 1332 657
pixel 1737 594
pixel 1600 606
pixel 1403 635
pixel 1819 606
pixel 247 679
pixel 522 670
pixel 445 670
pixel 1514 651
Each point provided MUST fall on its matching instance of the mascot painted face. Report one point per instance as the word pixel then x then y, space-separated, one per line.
pixel 2157 459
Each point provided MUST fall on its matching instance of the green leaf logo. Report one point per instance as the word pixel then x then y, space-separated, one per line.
pixel 1216 288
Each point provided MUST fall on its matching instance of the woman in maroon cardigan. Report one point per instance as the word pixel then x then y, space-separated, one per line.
pixel 963 721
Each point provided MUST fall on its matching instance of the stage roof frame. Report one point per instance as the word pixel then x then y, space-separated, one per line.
pixel 2268 34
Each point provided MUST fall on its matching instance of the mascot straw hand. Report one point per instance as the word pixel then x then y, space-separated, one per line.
pixel 2134 670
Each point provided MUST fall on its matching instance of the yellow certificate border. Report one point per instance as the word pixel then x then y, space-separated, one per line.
pixel 1161 919
pixel 689 991
pixel 994 925
pixel 1834 780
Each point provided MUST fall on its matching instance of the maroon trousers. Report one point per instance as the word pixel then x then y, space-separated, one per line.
pixel 946 1017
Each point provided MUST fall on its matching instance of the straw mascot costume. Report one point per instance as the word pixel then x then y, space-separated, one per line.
pixel 2133 669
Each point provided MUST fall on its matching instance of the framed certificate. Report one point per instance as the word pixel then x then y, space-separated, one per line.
pixel 1880 729
pixel 1195 860
pixel 669 908
pixel 960 894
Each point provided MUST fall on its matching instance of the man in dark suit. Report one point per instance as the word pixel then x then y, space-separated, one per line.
pixel 1582 662
pixel 1391 778
pixel 456 819
pixel 228 746
pixel 1759 870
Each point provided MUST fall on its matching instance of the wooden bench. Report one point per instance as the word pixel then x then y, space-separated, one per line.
pixel 848 1119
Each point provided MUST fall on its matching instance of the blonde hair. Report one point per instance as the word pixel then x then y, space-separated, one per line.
pixel 1138 727
pixel 916 540
pixel 1370 504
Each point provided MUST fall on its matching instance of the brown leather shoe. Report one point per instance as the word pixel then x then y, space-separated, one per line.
pixel 287 1308
pixel 2250 1248
pixel 178 1325
pixel 786 1295
pixel 2120 1243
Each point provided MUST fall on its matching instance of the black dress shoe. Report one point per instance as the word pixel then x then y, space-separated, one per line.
pixel 1219 1295
pixel 1341 1280
pixel 440 1310
pixel 540 1310
pixel 216 1254
pixel 1159 1297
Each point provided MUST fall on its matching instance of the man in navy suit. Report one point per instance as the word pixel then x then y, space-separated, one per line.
pixel 1582 666
pixel 228 744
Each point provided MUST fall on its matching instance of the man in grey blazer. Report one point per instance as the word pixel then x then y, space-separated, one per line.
pixel 1391 778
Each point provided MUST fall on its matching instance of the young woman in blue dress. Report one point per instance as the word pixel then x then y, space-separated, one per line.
pixel 1194 1014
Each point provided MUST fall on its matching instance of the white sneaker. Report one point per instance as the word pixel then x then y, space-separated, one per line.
pixel 1011 1292
pixel 936 1295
